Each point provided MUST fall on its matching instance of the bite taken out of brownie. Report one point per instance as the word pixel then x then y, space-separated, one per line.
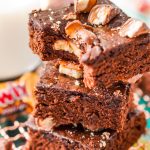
pixel 62 100
pixel 78 138
pixel 109 45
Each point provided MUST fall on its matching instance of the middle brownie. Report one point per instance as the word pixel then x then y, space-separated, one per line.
pixel 62 100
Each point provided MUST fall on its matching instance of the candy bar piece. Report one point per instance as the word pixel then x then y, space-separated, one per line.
pixel 84 5
pixel 68 138
pixel 70 69
pixel 102 14
pixel 63 100
pixel 102 44
pixel 133 28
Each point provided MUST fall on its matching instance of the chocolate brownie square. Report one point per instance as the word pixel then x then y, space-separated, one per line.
pixel 62 100
pixel 107 55
pixel 78 138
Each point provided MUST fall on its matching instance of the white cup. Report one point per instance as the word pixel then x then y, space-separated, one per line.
pixel 15 55
pixel 131 8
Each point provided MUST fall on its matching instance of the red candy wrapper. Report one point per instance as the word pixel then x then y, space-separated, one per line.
pixel 16 96
pixel 16 104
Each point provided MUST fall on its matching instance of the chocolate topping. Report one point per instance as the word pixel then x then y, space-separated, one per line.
pixel 92 54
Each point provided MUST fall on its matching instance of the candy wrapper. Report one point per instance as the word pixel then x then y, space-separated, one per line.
pixel 16 104
pixel 17 95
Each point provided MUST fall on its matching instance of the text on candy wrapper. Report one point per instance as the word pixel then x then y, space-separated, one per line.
pixel 11 94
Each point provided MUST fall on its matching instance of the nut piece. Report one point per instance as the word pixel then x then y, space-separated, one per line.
pixel 73 27
pixel 63 45
pixel 84 5
pixel 67 46
pixel 46 124
pixel 70 69
pixel 102 14
pixel 76 30
pixel 87 39
pixel 85 36
pixel 133 28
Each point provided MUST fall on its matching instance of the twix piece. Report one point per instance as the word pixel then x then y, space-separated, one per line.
pixel 133 28
pixel 95 43
pixel 84 5
pixel 80 32
pixel 70 69
pixel 102 14
pixel 87 38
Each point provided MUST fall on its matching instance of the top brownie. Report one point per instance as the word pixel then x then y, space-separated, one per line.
pixel 95 43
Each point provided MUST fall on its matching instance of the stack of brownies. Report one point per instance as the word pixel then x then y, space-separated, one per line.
pixel 83 99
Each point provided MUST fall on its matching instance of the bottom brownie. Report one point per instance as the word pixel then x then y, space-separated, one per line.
pixel 77 138
pixel 5 144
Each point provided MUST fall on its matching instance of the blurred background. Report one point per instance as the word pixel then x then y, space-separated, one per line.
pixel 19 67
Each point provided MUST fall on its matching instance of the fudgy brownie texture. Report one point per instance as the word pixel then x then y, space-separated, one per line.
pixel 61 100
pixel 121 58
pixel 77 138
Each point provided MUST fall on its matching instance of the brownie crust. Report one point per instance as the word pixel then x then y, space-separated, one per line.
pixel 68 138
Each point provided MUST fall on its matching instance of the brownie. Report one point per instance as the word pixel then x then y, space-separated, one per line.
pixel 143 85
pixel 78 138
pixel 118 58
pixel 62 100
pixel 5 144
